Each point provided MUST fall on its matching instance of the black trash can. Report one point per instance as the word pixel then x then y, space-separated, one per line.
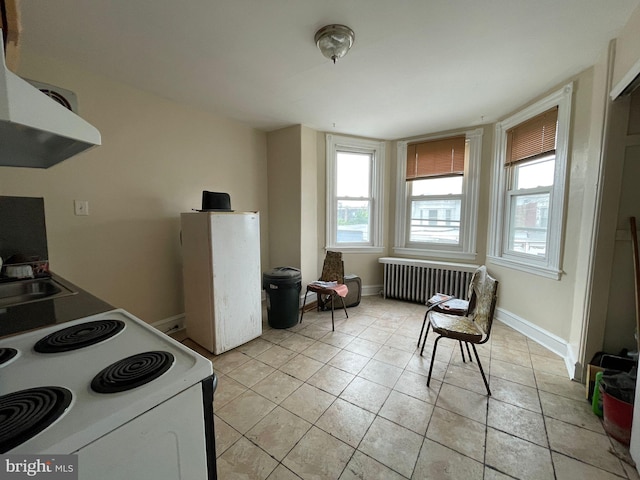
pixel 283 285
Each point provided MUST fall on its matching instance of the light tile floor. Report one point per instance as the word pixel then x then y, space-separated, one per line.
pixel 306 402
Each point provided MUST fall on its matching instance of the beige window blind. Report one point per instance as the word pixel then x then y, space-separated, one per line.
pixel 436 158
pixel 534 138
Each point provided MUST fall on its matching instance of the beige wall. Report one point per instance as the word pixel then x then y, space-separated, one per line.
pixel 293 199
pixel 587 322
pixel 309 205
pixel 284 166
pixel 155 160
pixel 627 47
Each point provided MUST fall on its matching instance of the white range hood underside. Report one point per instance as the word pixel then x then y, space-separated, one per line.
pixel 36 131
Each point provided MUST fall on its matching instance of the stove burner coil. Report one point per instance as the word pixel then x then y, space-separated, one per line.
pixel 132 372
pixel 79 336
pixel 7 354
pixel 26 413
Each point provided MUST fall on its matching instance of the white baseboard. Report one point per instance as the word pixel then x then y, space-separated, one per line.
pixel 369 290
pixel 311 297
pixel 171 324
pixel 539 335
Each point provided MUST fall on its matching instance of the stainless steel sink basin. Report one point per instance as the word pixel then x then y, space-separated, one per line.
pixel 27 291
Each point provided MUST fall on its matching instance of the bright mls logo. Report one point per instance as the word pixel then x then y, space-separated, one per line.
pixel 55 467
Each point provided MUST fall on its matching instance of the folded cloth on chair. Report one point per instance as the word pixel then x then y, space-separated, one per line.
pixel 448 303
pixel 321 284
pixel 341 289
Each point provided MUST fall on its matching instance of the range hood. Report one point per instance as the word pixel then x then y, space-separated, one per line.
pixel 36 131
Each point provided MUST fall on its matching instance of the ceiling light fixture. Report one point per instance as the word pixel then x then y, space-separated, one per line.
pixel 334 41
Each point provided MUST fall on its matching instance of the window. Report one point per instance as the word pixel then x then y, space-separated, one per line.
pixel 437 196
pixel 354 193
pixel 435 171
pixel 528 190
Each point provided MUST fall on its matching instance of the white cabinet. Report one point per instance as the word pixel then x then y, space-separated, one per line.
pixel 222 278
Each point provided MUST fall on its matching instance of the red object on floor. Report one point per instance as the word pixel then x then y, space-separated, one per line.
pixel 618 417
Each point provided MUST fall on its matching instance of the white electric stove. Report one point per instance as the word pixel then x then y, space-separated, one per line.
pixel 130 401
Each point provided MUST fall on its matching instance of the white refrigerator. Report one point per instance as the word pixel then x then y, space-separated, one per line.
pixel 222 278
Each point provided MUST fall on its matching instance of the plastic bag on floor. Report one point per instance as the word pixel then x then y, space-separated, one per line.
pixel 620 385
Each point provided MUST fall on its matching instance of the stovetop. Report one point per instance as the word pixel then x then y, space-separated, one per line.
pixel 92 413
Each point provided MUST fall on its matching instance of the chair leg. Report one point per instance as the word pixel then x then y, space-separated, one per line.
pixel 424 322
pixel 486 384
pixel 333 326
pixel 424 340
pixel 303 304
pixel 469 352
pixel 462 352
pixel 344 307
pixel 433 358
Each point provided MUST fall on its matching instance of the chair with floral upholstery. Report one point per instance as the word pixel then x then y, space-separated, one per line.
pixel 444 303
pixel 451 305
pixel 473 328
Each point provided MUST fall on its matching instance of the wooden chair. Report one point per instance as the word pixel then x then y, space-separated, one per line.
pixel 473 328
pixel 330 285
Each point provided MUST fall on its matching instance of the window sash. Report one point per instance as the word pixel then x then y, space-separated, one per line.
pixel 521 173
pixel 352 239
pixel 445 185
pixel 345 221
pixel 430 225
pixel 344 186
pixel 530 246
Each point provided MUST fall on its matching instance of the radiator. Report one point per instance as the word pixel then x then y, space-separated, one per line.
pixel 418 280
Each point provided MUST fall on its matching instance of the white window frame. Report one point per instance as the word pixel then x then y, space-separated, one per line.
pixel 335 144
pixel 466 249
pixel 498 252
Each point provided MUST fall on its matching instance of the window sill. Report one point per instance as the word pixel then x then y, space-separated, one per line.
pixel 540 270
pixel 421 252
pixel 355 249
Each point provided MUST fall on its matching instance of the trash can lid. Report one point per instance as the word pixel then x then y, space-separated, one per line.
pixel 282 275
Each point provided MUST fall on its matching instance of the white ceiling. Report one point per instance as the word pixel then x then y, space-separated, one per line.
pixel 417 66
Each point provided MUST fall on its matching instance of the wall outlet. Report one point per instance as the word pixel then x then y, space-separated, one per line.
pixel 81 207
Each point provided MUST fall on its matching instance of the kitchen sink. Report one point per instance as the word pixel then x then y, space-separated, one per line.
pixel 27 291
